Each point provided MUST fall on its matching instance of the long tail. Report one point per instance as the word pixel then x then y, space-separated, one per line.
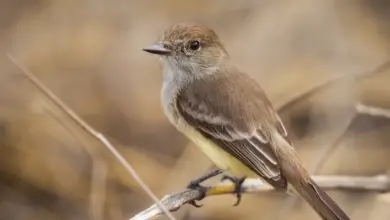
pixel 300 180
pixel 319 200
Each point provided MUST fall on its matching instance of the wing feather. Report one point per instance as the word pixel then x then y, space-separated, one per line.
pixel 236 126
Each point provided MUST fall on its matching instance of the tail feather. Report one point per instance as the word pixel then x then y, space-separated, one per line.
pixel 320 201
pixel 300 180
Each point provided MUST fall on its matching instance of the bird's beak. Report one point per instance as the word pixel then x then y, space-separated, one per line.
pixel 157 48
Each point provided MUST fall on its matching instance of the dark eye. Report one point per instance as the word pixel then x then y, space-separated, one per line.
pixel 194 45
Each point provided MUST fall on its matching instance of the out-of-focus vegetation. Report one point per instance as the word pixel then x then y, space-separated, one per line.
pixel 89 54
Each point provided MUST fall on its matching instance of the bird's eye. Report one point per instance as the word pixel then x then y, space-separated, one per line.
pixel 194 45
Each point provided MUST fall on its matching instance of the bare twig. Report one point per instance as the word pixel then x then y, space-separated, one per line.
pixel 323 155
pixel 320 87
pixel 185 196
pixel 100 137
pixel 99 171
pixel 190 195
pixel 326 151
pixel 173 202
pixel 98 189
pixel 372 111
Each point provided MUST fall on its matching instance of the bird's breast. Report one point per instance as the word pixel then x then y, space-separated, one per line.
pixel 220 157
pixel 168 95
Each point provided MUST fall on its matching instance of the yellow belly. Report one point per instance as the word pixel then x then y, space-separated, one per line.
pixel 221 158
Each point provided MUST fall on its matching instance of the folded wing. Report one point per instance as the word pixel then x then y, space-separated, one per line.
pixel 237 120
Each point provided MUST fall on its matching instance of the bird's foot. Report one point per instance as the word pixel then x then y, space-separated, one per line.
pixel 195 185
pixel 237 181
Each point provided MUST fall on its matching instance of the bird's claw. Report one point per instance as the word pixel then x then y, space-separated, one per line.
pixel 196 205
pixel 237 181
pixel 196 186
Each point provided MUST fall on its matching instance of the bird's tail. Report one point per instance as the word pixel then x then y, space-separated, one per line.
pixel 319 200
pixel 302 183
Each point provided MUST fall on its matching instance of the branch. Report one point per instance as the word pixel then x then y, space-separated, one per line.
pixel 99 170
pixel 100 137
pixel 173 202
pixel 314 90
pixel 372 111
pixel 324 85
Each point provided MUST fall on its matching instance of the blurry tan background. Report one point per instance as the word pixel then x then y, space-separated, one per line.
pixel 88 52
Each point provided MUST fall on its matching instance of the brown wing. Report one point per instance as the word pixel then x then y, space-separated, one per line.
pixel 236 115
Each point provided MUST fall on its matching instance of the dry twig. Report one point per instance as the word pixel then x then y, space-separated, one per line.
pixel 99 170
pixel 173 202
pixel 320 87
pixel 100 137
pixel 372 111
pixel 326 151
pixel 323 155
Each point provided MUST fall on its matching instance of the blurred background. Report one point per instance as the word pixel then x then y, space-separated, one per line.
pixel 88 52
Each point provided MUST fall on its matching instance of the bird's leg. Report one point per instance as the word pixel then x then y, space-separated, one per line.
pixel 195 184
pixel 237 181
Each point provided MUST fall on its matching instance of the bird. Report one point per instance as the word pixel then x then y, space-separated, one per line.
pixel 226 113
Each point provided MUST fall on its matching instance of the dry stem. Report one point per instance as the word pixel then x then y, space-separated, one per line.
pixel 174 201
pixel 100 137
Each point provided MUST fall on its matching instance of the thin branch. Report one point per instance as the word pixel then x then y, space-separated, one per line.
pixel 183 197
pixel 323 156
pixel 174 201
pixel 100 137
pixel 98 189
pixel 99 170
pixel 320 87
pixel 326 151
pixel 372 111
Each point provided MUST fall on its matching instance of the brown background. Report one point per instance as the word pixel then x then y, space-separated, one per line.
pixel 89 54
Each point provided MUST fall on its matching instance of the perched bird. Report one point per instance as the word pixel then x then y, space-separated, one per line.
pixel 229 117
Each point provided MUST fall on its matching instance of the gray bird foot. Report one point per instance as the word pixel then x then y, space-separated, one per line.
pixel 195 185
pixel 237 181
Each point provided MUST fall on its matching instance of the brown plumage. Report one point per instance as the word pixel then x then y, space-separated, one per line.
pixel 241 130
pixel 184 31
pixel 229 116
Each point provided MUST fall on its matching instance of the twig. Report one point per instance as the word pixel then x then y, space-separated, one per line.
pixel 324 154
pixel 173 202
pixel 98 189
pixel 320 87
pixel 372 111
pixel 100 137
pixel 184 197
pixel 99 171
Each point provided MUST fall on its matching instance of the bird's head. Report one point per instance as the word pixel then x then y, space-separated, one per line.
pixel 192 48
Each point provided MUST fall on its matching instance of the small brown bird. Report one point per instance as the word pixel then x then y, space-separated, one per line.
pixel 229 117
